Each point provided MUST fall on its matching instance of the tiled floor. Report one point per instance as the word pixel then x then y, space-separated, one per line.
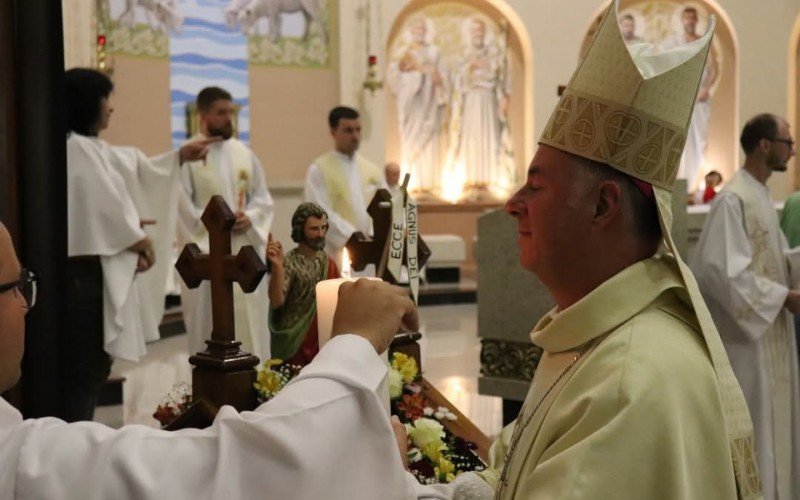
pixel 450 359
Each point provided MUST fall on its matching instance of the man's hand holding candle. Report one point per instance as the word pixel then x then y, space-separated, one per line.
pixel 374 310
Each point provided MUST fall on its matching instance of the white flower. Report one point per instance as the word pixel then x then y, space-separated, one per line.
pixel 395 384
pixel 426 431
pixel 438 415
pixel 427 411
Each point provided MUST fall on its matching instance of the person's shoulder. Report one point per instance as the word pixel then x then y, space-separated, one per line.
pixel 666 350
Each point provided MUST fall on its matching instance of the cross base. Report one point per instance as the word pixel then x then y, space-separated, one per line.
pixel 219 388
pixel 223 374
pixel 224 355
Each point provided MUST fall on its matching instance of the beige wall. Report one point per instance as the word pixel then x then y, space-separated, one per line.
pixel 141 102
pixel 289 118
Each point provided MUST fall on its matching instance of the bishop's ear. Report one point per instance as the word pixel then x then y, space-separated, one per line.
pixel 608 202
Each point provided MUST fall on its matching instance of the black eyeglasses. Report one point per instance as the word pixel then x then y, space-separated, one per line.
pixel 788 142
pixel 25 286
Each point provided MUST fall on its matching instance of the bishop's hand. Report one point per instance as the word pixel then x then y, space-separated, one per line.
pixel 374 310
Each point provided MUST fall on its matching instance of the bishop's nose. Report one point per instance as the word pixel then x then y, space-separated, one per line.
pixel 514 206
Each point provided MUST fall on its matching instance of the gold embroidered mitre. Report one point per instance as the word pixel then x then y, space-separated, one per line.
pixel 630 107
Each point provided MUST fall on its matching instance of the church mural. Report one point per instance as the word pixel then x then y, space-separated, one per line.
pixel 207 51
pixel 450 78
pixel 668 24
pixel 139 27
pixel 283 33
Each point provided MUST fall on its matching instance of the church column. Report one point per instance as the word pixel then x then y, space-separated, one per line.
pixel 41 192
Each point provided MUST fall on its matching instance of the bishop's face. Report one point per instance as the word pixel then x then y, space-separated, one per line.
pixel 552 218
pixel 12 315
pixel 314 232
pixel 218 120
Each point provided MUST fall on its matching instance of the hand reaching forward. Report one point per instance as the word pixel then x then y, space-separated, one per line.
pixel 374 310
pixel 196 150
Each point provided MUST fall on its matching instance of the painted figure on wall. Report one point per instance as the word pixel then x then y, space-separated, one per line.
pixel 693 159
pixel 418 80
pixel 450 79
pixel 482 88
pixel 627 26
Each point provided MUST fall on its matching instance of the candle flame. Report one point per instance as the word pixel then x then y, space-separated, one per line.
pixel 346 272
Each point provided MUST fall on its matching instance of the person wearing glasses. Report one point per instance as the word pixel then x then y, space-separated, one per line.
pixel 744 275
pixel 112 193
pixel 326 435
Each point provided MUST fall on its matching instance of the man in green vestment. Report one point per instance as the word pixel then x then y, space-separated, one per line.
pixel 293 305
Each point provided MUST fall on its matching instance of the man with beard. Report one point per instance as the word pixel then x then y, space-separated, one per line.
pixel 744 277
pixel 293 306
pixel 232 171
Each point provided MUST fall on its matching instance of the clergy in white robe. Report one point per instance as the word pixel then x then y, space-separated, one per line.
pixel 232 171
pixel 743 272
pixel 326 435
pixel 343 182
pixel 111 191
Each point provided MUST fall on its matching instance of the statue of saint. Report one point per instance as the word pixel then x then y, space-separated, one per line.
pixel 419 82
pixel 293 305
pixel 482 89
pixel 693 159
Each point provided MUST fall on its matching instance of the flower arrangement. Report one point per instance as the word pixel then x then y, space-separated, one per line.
pixel 273 376
pixel 434 454
pixel 176 402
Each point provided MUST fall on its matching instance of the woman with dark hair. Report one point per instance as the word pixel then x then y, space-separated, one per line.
pixel 113 192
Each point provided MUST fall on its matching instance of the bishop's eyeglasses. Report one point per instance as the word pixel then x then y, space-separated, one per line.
pixel 25 286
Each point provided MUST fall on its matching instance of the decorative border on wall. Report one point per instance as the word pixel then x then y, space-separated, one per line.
pixel 505 359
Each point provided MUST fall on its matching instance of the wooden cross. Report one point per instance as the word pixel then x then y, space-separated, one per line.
pixel 364 250
pixel 223 373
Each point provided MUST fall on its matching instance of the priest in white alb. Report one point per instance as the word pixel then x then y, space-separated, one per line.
pixel 121 222
pixel 343 182
pixel 741 262
pixel 232 171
